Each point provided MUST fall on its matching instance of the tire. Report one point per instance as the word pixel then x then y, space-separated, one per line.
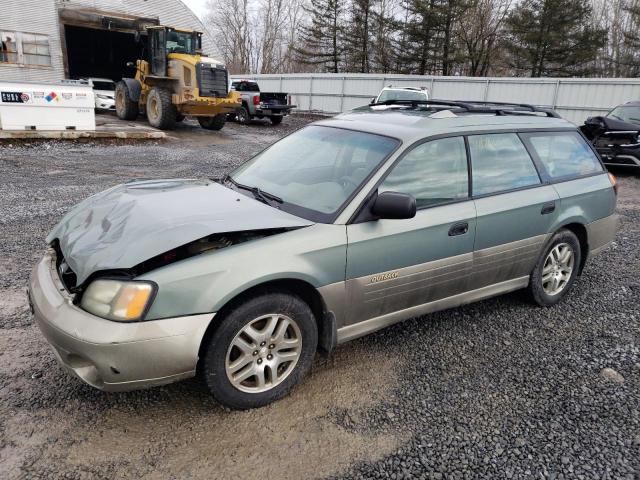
pixel 126 108
pixel 213 123
pixel 276 120
pixel 242 116
pixel 221 350
pixel 161 113
pixel 548 270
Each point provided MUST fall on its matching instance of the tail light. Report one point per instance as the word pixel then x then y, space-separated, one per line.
pixel 256 100
pixel 614 182
pixel 289 100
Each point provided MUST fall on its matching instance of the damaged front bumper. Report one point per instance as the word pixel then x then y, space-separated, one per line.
pixel 112 356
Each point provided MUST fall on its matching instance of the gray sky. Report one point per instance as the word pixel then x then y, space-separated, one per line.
pixel 197 6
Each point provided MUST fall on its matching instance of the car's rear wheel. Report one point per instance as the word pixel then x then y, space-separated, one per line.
pixel 556 269
pixel 242 116
pixel 260 350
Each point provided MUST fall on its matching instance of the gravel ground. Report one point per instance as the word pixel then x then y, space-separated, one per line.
pixel 498 389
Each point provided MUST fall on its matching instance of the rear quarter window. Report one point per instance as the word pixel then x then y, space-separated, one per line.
pixel 564 154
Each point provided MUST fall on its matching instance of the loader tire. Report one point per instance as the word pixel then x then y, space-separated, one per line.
pixel 126 108
pixel 213 123
pixel 161 112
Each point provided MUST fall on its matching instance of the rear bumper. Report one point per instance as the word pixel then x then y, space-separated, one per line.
pixel 274 110
pixel 109 355
pixel 601 233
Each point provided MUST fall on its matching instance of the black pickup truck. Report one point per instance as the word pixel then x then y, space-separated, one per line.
pixel 256 104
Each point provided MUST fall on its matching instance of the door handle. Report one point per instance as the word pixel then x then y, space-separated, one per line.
pixel 548 208
pixel 458 229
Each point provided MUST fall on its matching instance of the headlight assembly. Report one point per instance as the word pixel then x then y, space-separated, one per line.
pixel 122 301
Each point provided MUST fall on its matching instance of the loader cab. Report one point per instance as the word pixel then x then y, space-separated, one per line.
pixel 166 40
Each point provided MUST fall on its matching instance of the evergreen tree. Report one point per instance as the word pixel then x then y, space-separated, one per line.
pixel 321 40
pixel 421 30
pixel 383 44
pixel 429 41
pixel 552 38
pixel 358 36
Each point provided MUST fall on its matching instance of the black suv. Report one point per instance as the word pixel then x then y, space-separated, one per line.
pixel 616 136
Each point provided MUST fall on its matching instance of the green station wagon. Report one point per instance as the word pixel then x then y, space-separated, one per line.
pixel 344 227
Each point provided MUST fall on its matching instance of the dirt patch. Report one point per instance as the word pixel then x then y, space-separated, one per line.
pixel 290 439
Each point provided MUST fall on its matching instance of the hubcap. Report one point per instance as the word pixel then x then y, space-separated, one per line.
pixel 557 269
pixel 263 353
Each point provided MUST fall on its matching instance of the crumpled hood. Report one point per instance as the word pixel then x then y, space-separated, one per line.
pixel 133 222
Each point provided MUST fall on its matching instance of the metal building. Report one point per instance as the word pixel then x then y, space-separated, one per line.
pixel 49 40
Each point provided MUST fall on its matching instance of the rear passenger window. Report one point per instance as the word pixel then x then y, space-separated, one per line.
pixel 434 172
pixel 500 162
pixel 565 154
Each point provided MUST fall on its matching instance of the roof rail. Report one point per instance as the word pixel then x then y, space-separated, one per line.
pixel 472 106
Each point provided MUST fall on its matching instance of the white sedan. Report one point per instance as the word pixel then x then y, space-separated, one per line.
pixel 104 92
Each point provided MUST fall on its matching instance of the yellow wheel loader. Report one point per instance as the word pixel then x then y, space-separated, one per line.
pixel 175 80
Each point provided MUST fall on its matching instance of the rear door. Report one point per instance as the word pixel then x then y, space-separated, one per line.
pixel 515 210
pixel 393 265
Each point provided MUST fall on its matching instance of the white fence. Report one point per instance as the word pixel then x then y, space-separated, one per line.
pixel 574 98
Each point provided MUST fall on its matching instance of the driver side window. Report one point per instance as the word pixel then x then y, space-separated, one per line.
pixel 434 172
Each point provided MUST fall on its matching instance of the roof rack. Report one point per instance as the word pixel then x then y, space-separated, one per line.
pixel 472 106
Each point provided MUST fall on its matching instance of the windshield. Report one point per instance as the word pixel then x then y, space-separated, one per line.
pixel 316 169
pixel 386 95
pixel 180 42
pixel 629 114
pixel 104 85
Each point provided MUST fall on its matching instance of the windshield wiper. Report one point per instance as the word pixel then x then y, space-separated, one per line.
pixel 258 194
pixel 265 196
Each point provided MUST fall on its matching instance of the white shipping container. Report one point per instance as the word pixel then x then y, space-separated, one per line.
pixel 46 106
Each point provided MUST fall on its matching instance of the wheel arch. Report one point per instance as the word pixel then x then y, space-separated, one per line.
pixel 579 229
pixel 325 320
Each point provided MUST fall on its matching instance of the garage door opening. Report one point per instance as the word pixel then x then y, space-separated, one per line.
pixel 100 53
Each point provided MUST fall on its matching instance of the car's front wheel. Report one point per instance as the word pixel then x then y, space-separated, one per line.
pixel 260 350
pixel 556 269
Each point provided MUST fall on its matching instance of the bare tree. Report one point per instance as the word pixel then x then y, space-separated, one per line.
pixel 479 31
pixel 232 27
pixel 273 15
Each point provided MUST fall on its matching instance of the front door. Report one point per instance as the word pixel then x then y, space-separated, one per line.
pixel 393 265
pixel 514 210
pixel 158 52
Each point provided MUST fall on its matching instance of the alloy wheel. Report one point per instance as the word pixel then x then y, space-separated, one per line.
pixel 263 353
pixel 557 269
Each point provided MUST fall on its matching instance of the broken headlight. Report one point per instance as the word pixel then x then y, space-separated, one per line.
pixel 122 301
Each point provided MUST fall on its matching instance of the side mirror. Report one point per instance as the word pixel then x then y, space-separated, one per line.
pixel 394 205
pixel 130 64
pixel 372 101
